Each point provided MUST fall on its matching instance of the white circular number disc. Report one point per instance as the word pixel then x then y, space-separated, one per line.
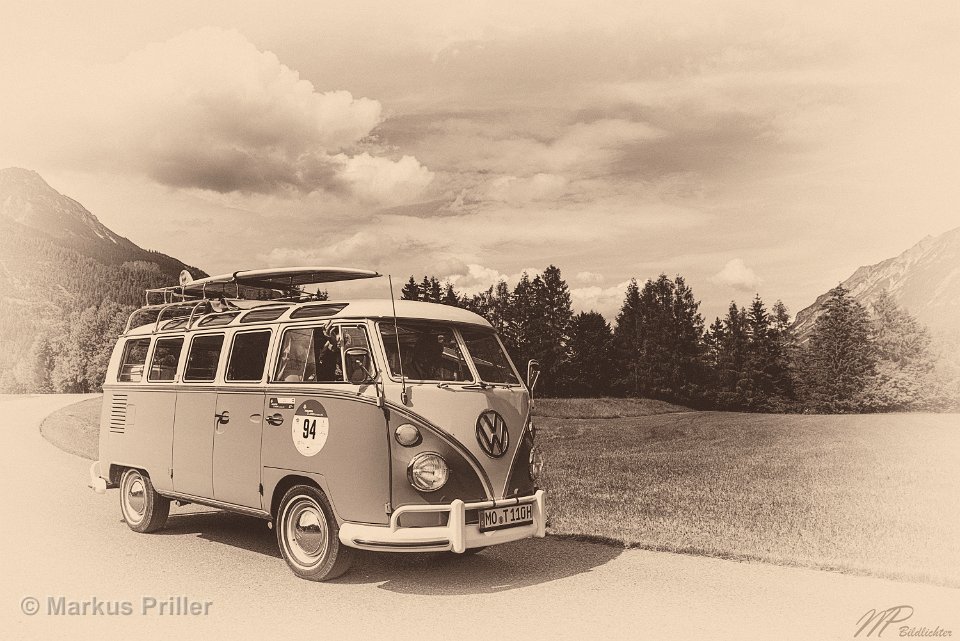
pixel 309 428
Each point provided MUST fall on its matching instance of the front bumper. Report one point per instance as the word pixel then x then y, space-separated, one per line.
pixel 456 535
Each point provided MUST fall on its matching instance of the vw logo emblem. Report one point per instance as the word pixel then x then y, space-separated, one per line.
pixel 492 434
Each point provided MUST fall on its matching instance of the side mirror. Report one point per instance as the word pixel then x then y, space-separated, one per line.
pixel 533 374
pixel 359 365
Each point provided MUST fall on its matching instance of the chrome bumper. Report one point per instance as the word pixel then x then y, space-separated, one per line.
pixel 97 483
pixel 455 536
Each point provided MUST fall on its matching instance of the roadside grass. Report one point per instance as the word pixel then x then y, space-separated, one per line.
pixel 75 428
pixel 871 494
pixel 602 407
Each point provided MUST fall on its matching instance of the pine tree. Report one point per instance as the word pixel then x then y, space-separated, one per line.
pixel 590 361
pixel 730 380
pixel 628 343
pixel 840 359
pixel 904 364
pixel 689 372
pixel 783 359
pixel 424 290
pixel 550 328
pixel 451 297
pixel 410 291
pixel 658 341
pixel 518 317
pixel 759 364
pixel 434 293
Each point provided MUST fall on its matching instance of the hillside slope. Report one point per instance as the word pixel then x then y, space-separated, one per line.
pixel 56 258
pixel 924 280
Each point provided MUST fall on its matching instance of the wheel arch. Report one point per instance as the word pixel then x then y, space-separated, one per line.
pixel 283 486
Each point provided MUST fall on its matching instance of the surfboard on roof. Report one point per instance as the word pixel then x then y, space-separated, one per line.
pixel 282 278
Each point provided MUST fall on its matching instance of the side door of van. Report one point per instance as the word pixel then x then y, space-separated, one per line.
pixel 318 422
pixel 196 417
pixel 237 436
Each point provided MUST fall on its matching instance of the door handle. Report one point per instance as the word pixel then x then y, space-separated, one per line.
pixel 275 419
pixel 223 417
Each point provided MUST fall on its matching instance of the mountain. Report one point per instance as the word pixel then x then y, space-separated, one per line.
pixel 924 280
pixel 56 258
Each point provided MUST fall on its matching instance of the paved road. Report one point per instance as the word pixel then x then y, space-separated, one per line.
pixel 61 539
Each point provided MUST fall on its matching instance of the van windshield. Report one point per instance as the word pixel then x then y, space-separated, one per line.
pixel 488 356
pixel 430 352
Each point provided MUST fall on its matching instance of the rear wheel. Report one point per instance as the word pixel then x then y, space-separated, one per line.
pixel 143 508
pixel 309 537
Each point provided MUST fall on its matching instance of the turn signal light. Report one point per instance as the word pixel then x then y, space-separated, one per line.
pixel 408 435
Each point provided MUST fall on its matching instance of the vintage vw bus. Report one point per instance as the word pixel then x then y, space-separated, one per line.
pixel 364 424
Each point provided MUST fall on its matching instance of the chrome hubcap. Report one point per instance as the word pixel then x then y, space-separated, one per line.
pixel 306 532
pixel 136 496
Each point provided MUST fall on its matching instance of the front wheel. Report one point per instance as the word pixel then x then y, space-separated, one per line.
pixel 309 536
pixel 143 508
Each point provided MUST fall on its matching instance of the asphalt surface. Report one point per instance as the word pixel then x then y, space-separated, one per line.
pixel 60 539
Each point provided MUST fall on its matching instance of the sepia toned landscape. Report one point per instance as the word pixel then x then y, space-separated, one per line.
pixel 674 291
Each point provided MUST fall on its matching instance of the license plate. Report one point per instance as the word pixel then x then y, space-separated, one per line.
pixel 504 517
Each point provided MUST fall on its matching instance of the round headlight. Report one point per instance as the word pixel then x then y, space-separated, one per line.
pixel 536 464
pixel 428 471
pixel 408 435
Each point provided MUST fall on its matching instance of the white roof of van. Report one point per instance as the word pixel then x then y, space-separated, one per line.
pixel 363 308
pixel 381 308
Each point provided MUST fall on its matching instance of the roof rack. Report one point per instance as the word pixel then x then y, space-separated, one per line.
pixel 190 306
pixel 265 286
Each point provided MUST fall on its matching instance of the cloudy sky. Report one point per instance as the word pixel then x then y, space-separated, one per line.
pixel 766 147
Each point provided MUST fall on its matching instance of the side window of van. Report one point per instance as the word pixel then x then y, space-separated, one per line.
pixel 203 358
pixel 307 355
pixel 248 356
pixel 134 357
pixel 166 355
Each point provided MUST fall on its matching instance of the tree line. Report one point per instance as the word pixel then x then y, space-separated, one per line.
pixel 853 360
pixel 659 346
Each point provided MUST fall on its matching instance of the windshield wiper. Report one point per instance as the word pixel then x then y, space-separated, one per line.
pixel 472 386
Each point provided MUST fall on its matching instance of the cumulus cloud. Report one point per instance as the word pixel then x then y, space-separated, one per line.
pixel 367 247
pixel 588 277
pixel 207 109
pixel 606 300
pixel 475 278
pixel 737 275
pixel 515 191
pixel 381 180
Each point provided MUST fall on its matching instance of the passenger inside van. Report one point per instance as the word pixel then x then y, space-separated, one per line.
pixel 327 355
pixel 310 355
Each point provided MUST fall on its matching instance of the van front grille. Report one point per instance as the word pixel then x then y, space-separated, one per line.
pixel 118 413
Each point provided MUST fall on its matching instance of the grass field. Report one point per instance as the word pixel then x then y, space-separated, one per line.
pixel 874 494
pixel 603 407
pixel 76 428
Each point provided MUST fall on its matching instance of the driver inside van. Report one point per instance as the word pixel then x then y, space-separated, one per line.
pixel 427 356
